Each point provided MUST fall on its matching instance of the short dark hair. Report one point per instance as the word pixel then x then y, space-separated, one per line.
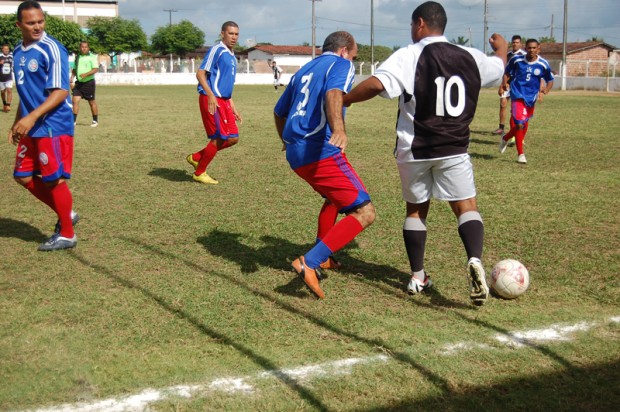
pixel 27 5
pixel 433 14
pixel 531 41
pixel 229 24
pixel 516 37
pixel 337 40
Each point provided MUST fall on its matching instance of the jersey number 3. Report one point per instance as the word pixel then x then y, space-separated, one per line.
pixel 444 102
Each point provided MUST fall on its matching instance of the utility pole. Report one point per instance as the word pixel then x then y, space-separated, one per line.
pixel 170 11
pixel 564 35
pixel 486 26
pixel 372 37
pixel 313 30
pixel 469 38
pixel 552 27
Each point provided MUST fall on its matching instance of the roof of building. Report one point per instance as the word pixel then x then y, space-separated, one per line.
pixel 547 49
pixel 286 50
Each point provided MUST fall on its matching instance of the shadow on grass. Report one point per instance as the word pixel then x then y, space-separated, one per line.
pixel 20 230
pixel 474 155
pixel 580 389
pixel 443 385
pixel 278 253
pixel 173 175
pixel 483 133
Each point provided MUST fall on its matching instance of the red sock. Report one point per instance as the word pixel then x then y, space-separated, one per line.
pixel 520 136
pixel 207 154
pixel 342 233
pixel 327 219
pixel 196 156
pixel 40 191
pixel 64 203
pixel 511 132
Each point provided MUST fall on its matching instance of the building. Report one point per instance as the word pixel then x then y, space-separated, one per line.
pixel 69 10
pixel 583 59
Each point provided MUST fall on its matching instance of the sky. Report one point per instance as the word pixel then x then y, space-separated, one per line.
pixel 289 22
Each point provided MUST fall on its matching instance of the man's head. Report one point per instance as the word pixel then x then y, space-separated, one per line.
pixel 84 48
pixel 230 34
pixel 532 47
pixel 428 19
pixel 5 49
pixel 31 21
pixel 516 43
pixel 273 63
pixel 342 43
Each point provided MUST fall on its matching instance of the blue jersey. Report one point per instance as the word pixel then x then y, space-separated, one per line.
pixel 525 78
pixel 221 66
pixel 302 104
pixel 40 68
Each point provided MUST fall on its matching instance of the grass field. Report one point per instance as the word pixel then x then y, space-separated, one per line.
pixel 187 289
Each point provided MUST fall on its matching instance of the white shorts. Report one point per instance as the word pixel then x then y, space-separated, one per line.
pixel 444 179
pixel 6 85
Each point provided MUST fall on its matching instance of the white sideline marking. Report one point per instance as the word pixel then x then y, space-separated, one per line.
pixel 521 339
pixel 304 374
pixel 141 400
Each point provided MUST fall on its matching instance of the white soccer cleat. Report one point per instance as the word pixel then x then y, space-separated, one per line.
pixel 417 286
pixel 522 159
pixel 478 289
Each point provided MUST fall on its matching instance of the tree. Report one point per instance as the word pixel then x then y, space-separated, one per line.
pixel 545 39
pixel 597 39
pixel 461 41
pixel 68 33
pixel 177 39
pixel 115 36
pixel 364 53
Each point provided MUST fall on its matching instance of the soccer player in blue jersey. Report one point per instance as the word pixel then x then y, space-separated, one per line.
pixel 216 80
pixel 43 127
pixel 309 118
pixel 437 84
pixel 525 74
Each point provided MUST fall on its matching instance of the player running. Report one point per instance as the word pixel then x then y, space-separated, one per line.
pixel 309 118
pixel 525 75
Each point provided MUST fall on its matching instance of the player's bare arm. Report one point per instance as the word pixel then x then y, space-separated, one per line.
pixel 23 125
pixel 333 108
pixel 235 112
pixel 504 86
pixel 366 90
pixel 280 123
pixel 499 46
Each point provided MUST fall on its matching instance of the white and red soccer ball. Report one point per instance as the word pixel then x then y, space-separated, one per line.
pixel 509 278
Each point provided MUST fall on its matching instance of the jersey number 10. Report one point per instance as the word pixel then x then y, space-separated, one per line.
pixel 444 102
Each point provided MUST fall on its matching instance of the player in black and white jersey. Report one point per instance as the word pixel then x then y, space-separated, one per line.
pixel 438 85
pixel 6 77
pixel 517 50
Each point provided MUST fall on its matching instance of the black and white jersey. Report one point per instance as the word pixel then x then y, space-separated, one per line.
pixel 511 54
pixel 438 84
pixel 6 69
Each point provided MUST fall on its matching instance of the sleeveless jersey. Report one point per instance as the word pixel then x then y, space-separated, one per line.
pixel 302 104
pixel 221 66
pixel 40 68
pixel 438 84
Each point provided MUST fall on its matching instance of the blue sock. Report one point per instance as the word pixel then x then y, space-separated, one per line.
pixel 317 255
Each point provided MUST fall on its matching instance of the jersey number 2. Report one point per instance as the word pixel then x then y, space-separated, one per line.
pixel 444 102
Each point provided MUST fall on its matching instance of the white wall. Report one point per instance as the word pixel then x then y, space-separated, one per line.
pixel 144 79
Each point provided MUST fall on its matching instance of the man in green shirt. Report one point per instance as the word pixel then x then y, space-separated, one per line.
pixel 84 69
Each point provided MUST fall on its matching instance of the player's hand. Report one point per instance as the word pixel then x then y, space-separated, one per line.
pixel 339 139
pixel 212 104
pixel 238 117
pixel 14 138
pixel 498 42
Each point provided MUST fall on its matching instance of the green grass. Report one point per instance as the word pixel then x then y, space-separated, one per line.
pixel 178 283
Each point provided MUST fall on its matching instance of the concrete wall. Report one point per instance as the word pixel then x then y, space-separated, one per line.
pixel 144 79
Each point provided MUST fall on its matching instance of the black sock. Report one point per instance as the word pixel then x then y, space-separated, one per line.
pixel 96 118
pixel 472 235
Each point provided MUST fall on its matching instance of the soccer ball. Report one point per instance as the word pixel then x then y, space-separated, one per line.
pixel 509 278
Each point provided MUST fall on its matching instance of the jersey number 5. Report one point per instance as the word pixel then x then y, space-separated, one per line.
pixel 444 102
